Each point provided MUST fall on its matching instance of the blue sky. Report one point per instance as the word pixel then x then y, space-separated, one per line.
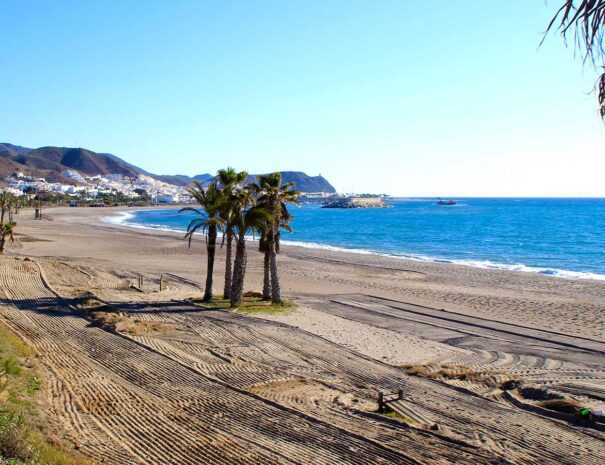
pixel 413 98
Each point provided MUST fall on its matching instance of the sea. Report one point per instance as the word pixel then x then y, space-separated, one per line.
pixel 560 237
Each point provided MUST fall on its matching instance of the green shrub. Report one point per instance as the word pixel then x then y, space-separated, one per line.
pixel 11 366
pixel 13 437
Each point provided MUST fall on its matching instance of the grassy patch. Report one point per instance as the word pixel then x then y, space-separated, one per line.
pixel 398 416
pixel 252 304
pixel 255 306
pixel 22 436
pixel 217 303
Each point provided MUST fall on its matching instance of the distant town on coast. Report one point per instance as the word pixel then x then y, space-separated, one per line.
pixel 80 176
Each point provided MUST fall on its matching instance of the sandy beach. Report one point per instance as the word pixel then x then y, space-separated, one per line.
pixel 569 306
pixel 188 385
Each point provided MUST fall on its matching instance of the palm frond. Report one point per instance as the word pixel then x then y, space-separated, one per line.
pixel 197 223
pixel 197 211
pixel 194 226
pixel 587 20
pixel 257 218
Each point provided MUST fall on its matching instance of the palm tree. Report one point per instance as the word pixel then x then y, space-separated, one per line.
pixel 248 218
pixel 20 203
pixel 7 200
pixel 12 207
pixel 7 231
pixel 263 246
pixel 229 180
pixel 275 196
pixel 209 221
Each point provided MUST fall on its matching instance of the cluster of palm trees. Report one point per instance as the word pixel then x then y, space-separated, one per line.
pixel 237 210
pixel 9 205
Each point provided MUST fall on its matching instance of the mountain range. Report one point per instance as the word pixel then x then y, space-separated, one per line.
pixel 50 162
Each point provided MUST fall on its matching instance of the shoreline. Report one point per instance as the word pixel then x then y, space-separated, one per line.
pixel 362 324
pixel 79 236
pixel 479 264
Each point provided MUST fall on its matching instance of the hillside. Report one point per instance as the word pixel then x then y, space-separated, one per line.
pixel 14 149
pixel 304 182
pixel 50 162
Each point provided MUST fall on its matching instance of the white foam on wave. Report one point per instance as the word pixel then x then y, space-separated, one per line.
pixel 124 218
pixel 556 272
pixel 118 218
pixel 332 248
pixel 484 264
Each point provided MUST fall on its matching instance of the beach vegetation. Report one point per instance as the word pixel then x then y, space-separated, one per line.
pixel 249 219
pixel 240 210
pixel 208 220
pixel 7 233
pixel 398 416
pixel 275 197
pixel 252 303
pixel 229 180
pixel 8 205
pixel 24 438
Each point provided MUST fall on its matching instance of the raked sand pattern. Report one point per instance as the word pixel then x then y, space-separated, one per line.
pixel 219 387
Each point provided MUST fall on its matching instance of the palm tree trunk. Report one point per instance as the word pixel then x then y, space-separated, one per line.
pixel 228 265
pixel 267 276
pixel 211 248
pixel 239 271
pixel 275 287
pixel 2 242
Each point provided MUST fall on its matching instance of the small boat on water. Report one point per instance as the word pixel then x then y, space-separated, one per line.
pixel 440 201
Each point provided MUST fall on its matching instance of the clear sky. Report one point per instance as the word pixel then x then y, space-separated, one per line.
pixel 413 98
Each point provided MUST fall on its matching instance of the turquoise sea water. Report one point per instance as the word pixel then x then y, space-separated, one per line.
pixel 559 237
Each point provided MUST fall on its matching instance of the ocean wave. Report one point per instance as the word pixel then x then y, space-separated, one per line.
pixel 126 219
pixel 119 217
pixel 556 272
pixel 483 264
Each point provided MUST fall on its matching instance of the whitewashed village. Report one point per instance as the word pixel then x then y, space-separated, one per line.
pixel 98 188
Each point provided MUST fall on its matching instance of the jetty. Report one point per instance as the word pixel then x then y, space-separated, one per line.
pixel 357 202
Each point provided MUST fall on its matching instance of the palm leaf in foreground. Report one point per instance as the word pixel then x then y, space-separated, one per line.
pixel 586 18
